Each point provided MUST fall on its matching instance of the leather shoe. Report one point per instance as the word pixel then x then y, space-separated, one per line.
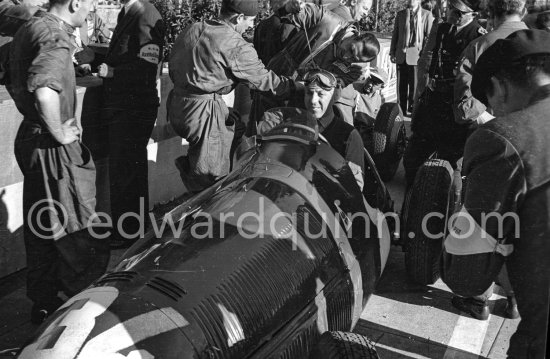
pixel 474 307
pixel 511 308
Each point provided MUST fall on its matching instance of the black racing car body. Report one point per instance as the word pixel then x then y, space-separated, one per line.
pixel 258 266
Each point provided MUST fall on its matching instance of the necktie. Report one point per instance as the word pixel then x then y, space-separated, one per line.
pixel 412 41
pixel 453 31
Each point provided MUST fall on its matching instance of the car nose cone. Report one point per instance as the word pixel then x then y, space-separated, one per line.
pixel 103 323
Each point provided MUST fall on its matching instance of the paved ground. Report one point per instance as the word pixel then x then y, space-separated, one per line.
pixel 403 319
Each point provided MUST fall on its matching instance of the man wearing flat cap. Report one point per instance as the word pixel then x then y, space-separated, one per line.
pixel 208 60
pixel 432 124
pixel 505 215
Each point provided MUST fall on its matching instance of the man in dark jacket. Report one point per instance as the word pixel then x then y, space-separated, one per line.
pixel 506 212
pixel 433 125
pixel 325 41
pixel 130 107
pixel 321 94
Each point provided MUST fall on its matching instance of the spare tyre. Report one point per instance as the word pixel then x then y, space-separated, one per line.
pixel 344 345
pixel 425 221
pixel 389 139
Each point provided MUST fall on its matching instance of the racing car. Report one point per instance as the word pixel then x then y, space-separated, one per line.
pixel 277 260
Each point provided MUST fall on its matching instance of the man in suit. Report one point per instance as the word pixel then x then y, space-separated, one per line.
pixel 412 27
pixel 130 107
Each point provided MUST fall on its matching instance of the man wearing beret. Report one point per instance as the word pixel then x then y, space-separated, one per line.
pixel 130 107
pixel 505 215
pixel 208 60
pixel 433 125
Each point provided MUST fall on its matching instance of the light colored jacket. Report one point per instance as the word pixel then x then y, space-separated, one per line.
pixel 398 46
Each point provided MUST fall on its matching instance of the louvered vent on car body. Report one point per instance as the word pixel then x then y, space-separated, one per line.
pixel 167 287
pixel 125 276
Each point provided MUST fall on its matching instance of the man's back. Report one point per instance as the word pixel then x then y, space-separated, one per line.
pixel 520 140
pixel 210 57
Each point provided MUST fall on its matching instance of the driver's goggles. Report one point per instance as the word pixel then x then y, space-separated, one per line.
pixel 320 77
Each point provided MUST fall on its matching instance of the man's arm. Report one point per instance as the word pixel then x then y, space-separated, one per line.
pixel 149 55
pixel 394 37
pixel 245 65
pixel 484 231
pixel 48 107
pixel 427 29
pixel 467 108
pixel 44 82
pixel 426 59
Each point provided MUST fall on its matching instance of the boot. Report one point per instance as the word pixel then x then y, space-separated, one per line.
pixel 474 307
pixel 511 307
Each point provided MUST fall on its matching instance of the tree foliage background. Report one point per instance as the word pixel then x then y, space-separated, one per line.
pixel 177 14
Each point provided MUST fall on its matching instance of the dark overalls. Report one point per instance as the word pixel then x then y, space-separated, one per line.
pixel 208 60
pixel 433 125
pixel 59 180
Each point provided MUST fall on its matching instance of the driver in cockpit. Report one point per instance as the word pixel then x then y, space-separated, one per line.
pixel 321 92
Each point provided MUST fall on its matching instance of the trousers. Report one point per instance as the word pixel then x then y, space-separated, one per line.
pixel 407 79
pixel 129 132
pixel 202 122
pixel 59 209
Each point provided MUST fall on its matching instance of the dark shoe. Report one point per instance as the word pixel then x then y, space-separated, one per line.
pixel 40 312
pixel 512 308
pixel 474 307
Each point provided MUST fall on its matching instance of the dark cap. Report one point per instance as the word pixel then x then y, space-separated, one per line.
pixel 245 7
pixel 466 5
pixel 505 53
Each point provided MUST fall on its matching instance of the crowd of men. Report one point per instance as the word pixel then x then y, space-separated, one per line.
pixel 304 65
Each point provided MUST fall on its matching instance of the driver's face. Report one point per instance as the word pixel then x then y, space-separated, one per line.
pixel 318 100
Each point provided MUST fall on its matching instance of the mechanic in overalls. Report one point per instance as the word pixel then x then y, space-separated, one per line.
pixel 433 125
pixel 325 41
pixel 208 60
pixel 321 93
pixel 59 174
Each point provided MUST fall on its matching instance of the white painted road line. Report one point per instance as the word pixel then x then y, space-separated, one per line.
pixel 468 335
